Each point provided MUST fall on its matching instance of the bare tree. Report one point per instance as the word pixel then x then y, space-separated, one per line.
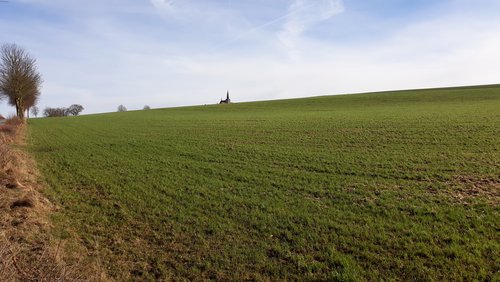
pixel 122 108
pixel 34 111
pixel 30 101
pixel 75 109
pixel 147 107
pixel 55 112
pixel 19 78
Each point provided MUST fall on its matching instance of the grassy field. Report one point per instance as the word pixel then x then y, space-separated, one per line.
pixel 393 186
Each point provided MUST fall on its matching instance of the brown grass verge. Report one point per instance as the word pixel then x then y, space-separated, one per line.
pixel 28 250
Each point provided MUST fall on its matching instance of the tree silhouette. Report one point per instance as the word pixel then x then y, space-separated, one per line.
pixel 75 109
pixel 34 111
pixel 122 108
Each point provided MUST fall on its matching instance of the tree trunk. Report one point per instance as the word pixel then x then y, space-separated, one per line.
pixel 19 109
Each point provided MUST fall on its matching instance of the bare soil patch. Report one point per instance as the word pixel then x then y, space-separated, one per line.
pixel 467 188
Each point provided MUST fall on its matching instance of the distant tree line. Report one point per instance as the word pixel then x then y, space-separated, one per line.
pixel 122 108
pixel 73 110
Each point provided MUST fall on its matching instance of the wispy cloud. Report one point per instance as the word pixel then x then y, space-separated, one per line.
pixel 167 7
pixel 195 12
pixel 302 14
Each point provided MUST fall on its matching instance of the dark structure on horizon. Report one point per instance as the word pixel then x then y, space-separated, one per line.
pixel 227 101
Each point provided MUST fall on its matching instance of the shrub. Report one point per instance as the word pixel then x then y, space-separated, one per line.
pixel 14 121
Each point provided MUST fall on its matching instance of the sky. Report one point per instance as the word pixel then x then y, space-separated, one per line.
pixel 169 53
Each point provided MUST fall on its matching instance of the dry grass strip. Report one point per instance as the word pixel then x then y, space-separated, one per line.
pixel 28 251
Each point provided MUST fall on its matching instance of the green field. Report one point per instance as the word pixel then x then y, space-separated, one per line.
pixel 384 186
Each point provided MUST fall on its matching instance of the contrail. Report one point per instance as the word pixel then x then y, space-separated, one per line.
pixel 271 22
pixel 164 2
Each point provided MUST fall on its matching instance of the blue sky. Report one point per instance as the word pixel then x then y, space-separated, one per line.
pixel 166 53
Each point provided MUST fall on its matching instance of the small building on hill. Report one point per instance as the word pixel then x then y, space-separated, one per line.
pixel 227 101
